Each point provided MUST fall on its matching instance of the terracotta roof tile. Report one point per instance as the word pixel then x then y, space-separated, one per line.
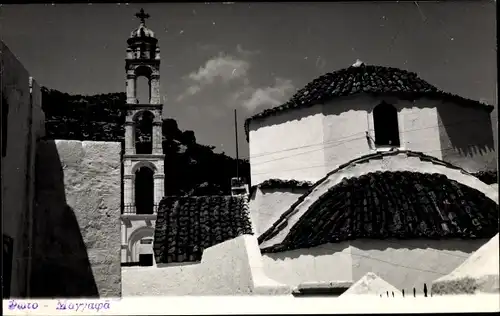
pixel 370 79
pixel 363 159
pixel 280 184
pixel 283 184
pixel 488 177
pixel 188 225
pixel 398 204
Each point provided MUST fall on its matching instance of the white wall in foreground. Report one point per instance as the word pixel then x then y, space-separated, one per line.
pixel 403 263
pixel 233 267
pixel 329 262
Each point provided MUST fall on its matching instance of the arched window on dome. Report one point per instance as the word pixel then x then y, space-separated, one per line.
pixel 385 119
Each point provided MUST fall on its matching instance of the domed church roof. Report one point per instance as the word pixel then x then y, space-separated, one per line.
pixel 142 32
pixel 400 204
pixel 395 203
pixel 361 78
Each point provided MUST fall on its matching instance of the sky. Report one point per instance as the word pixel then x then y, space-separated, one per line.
pixel 251 56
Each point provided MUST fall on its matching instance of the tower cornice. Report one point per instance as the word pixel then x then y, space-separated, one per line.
pixel 141 106
pixel 141 62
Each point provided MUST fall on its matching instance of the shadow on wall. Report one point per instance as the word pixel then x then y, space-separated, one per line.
pixel 466 133
pixel 60 263
pixel 449 244
pixel 410 263
pixel 329 249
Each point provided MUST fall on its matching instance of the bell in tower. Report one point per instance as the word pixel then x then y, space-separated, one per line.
pixel 143 159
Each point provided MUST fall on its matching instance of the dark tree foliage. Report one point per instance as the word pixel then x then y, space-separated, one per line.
pixel 190 168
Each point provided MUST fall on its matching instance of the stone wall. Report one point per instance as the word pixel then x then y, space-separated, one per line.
pixel 22 126
pixel 77 220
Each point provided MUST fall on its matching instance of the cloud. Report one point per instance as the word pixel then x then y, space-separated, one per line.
pixel 222 67
pixel 244 52
pixel 274 95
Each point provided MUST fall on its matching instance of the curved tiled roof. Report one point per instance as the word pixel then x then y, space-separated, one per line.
pixel 282 222
pixel 488 177
pixel 280 184
pixel 400 204
pixel 142 31
pixel 187 225
pixel 284 184
pixel 375 80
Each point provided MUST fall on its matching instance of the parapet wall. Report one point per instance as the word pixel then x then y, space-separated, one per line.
pixel 233 267
pixel 77 220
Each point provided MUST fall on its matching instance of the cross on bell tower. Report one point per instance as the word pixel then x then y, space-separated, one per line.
pixel 142 16
pixel 143 60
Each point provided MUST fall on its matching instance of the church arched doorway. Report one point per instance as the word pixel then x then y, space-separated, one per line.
pixel 141 246
pixel 144 250
pixel 144 190
pixel 385 121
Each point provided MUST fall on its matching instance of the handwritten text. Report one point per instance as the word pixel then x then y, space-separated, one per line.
pixel 81 306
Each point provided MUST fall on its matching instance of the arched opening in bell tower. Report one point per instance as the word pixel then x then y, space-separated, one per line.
pixel 143 84
pixel 144 190
pixel 144 132
pixel 143 90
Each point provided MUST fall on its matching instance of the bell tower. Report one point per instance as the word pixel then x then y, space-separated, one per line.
pixel 143 60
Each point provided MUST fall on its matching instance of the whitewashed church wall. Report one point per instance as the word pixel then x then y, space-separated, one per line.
pixel 329 262
pixel 326 136
pixel 403 263
pixel 287 146
pixel 419 127
pixel 410 263
pixel 345 124
pixel 466 137
pixel 267 205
